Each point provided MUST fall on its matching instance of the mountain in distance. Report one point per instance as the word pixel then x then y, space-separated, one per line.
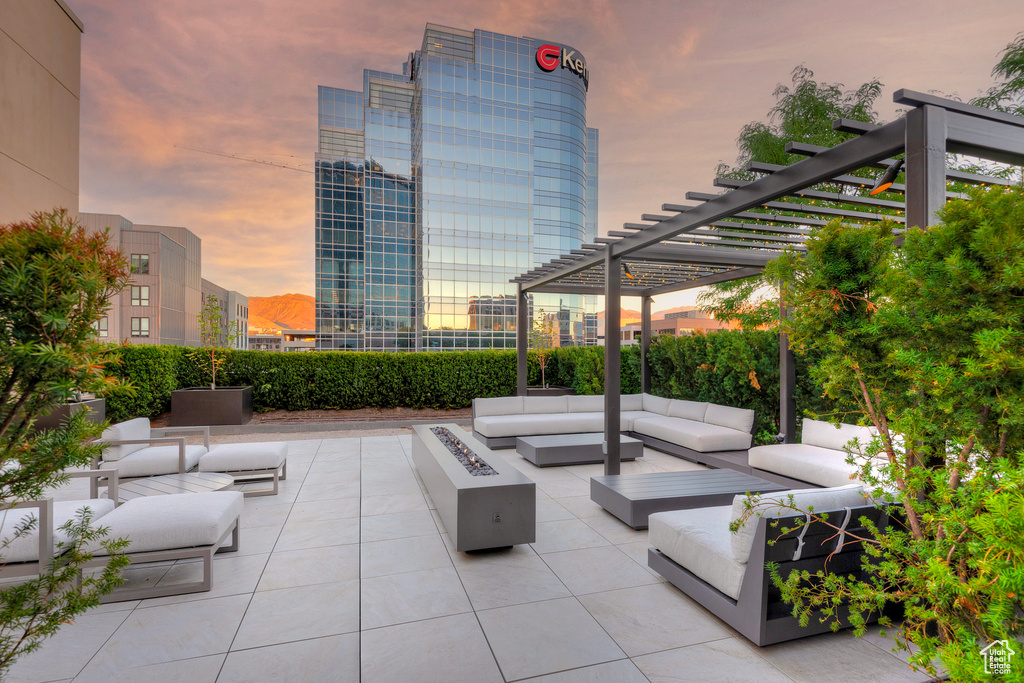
pixel 282 312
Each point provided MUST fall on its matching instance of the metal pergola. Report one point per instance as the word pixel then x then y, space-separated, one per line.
pixel 734 235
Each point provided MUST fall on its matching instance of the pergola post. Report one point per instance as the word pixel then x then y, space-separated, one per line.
pixel 612 362
pixel 787 379
pixel 645 343
pixel 522 338
pixel 926 164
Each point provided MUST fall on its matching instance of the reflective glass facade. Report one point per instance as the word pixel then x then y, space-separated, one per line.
pixel 435 187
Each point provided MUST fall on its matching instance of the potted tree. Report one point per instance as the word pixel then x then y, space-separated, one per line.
pixel 213 405
pixel 542 340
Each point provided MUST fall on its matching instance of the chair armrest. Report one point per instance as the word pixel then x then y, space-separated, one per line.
pixel 95 476
pixel 168 430
pixel 179 440
pixel 45 507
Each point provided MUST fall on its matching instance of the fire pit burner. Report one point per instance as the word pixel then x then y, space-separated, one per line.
pixel 473 463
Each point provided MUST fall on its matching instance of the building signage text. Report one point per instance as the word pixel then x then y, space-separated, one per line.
pixel 550 57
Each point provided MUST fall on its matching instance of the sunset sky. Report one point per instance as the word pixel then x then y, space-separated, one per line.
pixel 671 85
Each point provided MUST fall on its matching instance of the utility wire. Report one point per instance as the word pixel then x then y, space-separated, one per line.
pixel 239 157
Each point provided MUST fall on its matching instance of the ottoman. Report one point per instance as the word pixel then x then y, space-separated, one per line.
pixel 248 460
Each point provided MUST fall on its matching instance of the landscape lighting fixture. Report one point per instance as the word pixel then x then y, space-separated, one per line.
pixel 888 178
pixel 625 269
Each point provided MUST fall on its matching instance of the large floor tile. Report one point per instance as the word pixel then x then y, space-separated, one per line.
pixel 311 492
pixel 651 618
pixel 264 513
pixel 386 505
pixel 720 661
pixel 289 614
pixel 620 671
pixel 397 525
pixel 548 510
pixel 400 555
pixel 837 658
pixel 591 570
pixel 66 654
pixel 566 534
pixel 193 670
pixel 167 633
pixel 312 566
pixel 613 529
pixel 330 659
pixel 445 650
pixel 299 534
pixel 339 508
pixel 504 580
pixel 546 637
pixel 232 575
pixel 413 596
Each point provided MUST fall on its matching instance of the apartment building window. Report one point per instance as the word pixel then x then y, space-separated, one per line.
pixel 102 327
pixel 140 264
pixel 140 327
pixel 140 295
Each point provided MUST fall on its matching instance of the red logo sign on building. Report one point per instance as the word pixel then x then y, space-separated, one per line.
pixel 550 57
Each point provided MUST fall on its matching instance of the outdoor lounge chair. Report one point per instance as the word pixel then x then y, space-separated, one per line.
pixel 137 450
pixel 247 461
pixel 726 572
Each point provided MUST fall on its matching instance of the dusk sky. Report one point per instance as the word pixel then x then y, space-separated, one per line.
pixel 671 84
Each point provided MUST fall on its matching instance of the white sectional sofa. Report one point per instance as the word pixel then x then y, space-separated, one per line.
pixel 725 572
pixel 820 457
pixel 703 432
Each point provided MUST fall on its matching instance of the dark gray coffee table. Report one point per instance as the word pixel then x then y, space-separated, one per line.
pixel 573 449
pixel 632 497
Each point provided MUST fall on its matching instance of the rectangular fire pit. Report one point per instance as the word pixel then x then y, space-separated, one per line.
pixel 493 507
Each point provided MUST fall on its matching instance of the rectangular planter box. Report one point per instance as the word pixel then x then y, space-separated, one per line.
pixel 482 512
pixel 96 412
pixel 203 406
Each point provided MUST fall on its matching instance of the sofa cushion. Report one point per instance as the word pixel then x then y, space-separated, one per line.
pixel 734 418
pixel 698 540
pixel 822 500
pixel 813 464
pixel 629 418
pixel 238 457
pixel 156 460
pixel 510 405
pixel 533 405
pixel 688 410
pixel 585 404
pixel 826 435
pixel 655 404
pixel 183 520
pixel 697 436
pixel 631 402
pixel 125 431
pixel 25 548
pixel 497 426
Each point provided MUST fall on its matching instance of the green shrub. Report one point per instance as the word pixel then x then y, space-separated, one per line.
pixel 150 374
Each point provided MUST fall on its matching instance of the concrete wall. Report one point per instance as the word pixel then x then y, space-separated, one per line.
pixel 40 96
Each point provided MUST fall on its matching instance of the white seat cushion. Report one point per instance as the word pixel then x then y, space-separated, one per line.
pixel 132 430
pixel 25 548
pixel 813 464
pixel 585 404
pixel 530 425
pixel 183 520
pixel 629 417
pixel 688 410
pixel 698 539
pixel 739 419
pixel 826 435
pixel 156 460
pixel 544 404
pixel 655 404
pixel 631 402
pixel 697 436
pixel 237 457
pixel 822 500
pixel 509 405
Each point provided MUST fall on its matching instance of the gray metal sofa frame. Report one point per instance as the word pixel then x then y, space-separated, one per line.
pixel 759 614
pixel 159 437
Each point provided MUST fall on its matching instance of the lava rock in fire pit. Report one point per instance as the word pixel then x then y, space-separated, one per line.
pixel 473 463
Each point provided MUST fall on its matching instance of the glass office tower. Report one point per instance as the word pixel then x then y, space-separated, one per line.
pixel 437 186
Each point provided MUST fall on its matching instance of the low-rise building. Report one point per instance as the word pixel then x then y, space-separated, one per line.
pixel 264 341
pixel 298 340
pixel 676 324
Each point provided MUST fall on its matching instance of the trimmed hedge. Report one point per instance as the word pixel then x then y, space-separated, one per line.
pixel 734 368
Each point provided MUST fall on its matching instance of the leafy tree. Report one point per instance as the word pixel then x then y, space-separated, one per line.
pixel 1008 95
pixel 55 283
pixel 542 338
pixel 215 336
pixel 926 340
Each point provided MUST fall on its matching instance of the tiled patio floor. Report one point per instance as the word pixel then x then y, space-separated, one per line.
pixel 348 575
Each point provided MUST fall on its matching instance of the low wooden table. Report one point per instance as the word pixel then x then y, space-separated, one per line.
pixel 573 449
pixel 190 482
pixel 632 497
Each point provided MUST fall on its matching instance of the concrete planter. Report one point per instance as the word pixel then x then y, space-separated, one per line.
pixel 95 407
pixel 479 512
pixel 550 391
pixel 203 406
